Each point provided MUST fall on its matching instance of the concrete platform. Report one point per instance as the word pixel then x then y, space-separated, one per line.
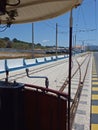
pixel 57 72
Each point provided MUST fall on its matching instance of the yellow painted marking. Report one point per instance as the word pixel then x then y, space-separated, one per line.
pixel 95 83
pixel 94 73
pixel 94 78
pixel 94 109
pixel 94 89
pixel 94 97
pixel 94 126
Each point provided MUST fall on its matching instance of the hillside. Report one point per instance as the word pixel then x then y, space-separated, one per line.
pixel 17 44
pixel 18 49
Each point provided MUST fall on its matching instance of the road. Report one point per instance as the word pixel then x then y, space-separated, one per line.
pixel 94 92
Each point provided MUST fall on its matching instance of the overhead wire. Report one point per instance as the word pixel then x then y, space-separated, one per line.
pixel 84 21
pixel 3 29
pixel 95 14
pixel 10 15
pixel 50 25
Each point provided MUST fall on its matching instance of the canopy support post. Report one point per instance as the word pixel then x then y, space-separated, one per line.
pixel 32 40
pixel 70 64
pixel 56 39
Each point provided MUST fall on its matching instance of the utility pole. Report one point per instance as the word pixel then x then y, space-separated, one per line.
pixel 75 40
pixel 56 38
pixel 83 48
pixel 32 40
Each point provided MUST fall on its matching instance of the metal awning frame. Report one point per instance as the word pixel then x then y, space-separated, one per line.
pixel 21 10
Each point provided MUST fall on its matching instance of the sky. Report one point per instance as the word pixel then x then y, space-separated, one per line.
pixel 85 28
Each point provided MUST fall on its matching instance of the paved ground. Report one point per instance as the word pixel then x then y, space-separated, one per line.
pixel 82 118
pixel 57 72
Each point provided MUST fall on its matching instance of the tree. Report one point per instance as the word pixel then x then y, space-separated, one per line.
pixel 8 44
pixel 38 44
pixel 6 38
pixel 15 40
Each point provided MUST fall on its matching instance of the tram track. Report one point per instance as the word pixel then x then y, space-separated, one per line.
pixel 67 79
pixel 38 69
pixel 79 71
pixel 15 75
pixel 75 101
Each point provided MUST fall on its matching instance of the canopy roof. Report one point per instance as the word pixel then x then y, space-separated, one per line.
pixel 37 10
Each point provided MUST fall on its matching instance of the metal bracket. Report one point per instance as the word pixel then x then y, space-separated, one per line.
pixel 46 78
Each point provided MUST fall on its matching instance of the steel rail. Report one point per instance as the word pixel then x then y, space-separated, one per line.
pixel 74 102
pixel 36 70
pixel 76 99
pixel 67 79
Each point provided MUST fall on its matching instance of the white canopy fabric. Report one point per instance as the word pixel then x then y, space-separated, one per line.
pixel 37 10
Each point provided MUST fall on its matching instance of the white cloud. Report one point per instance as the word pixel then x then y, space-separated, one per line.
pixel 44 41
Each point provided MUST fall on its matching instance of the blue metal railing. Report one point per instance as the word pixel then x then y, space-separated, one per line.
pixel 20 63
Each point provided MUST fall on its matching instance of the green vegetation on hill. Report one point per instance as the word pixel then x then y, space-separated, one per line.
pixel 17 44
pixel 2 43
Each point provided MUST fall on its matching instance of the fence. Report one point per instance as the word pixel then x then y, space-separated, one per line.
pixel 20 63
